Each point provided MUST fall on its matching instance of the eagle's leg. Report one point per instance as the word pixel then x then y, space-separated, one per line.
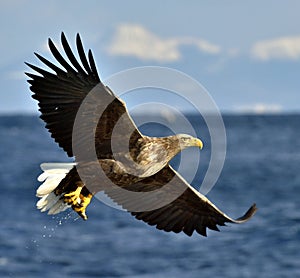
pixel 85 198
pixel 73 197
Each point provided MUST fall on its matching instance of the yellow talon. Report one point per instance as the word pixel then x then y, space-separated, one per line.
pixel 80 208
pixel 73 197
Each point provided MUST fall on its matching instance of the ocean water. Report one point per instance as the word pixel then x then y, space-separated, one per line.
pixel 262 166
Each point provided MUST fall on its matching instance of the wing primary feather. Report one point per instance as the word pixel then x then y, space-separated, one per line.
pixel 49 64
pixel 70 54
pixel 82 56
pixel 31 75
pixel 59 57
pixel 39 70
pixel 93 65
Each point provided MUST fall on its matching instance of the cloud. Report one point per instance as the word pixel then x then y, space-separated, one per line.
pixel 259 108
pixel 134 40
pixel 280 48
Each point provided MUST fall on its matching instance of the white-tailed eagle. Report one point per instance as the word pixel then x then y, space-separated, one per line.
pixel 61 93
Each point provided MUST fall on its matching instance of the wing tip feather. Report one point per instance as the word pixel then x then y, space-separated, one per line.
pixel 249 213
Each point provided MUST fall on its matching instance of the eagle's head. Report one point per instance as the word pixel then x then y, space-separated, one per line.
pixel 185 141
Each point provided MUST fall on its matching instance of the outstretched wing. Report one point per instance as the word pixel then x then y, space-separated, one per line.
pixel 60 93
pixel 188 210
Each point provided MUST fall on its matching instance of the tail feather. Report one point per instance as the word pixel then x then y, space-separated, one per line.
pixel 58 207
pixel 53 174
pixel 49 184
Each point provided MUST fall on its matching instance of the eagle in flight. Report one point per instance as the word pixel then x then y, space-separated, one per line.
pixel 110 154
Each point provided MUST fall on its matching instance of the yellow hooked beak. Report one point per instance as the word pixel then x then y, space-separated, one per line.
pixel 198 143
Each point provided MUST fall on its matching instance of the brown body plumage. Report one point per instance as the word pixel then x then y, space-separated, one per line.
pixel 132 164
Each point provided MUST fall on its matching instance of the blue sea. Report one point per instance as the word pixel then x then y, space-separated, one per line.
pixel 262 165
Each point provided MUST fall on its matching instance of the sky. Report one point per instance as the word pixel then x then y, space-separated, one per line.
pixel 245 53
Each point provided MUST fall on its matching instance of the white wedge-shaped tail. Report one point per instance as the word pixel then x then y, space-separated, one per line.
pixel 53 174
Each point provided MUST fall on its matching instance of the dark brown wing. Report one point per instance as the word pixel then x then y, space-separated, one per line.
pixel 62 91
pixel 184 208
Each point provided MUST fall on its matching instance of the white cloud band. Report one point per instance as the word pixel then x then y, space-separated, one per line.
pixel 280 48
pixel 134 40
